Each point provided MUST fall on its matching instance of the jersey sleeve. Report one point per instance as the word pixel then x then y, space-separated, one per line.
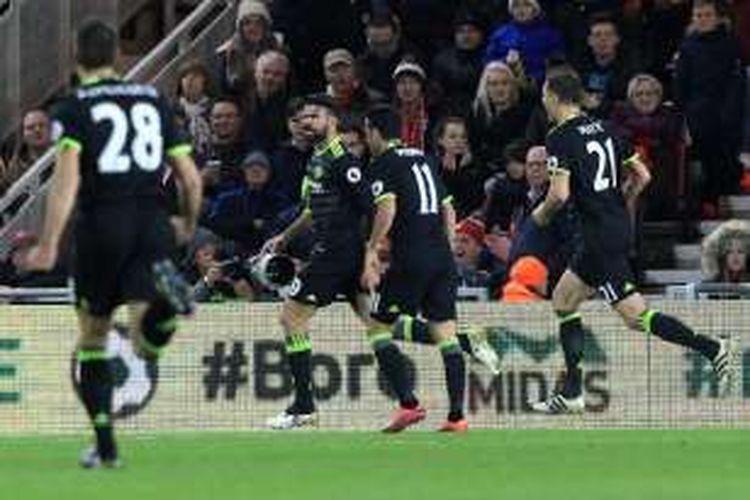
pixel 444 196
pixel 383 183
pixel 67 125
pixel 559 157
pixel 176 144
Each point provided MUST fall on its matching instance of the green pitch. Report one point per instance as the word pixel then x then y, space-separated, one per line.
pixel 529 465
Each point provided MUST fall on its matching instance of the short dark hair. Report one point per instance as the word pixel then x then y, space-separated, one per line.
pixel 603 18
pixel 294 106
pixel 516 151
pixel 96 45
pixel 384 119
pixel 322 100
pixel 564 82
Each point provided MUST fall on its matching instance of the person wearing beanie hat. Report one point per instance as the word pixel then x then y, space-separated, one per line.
pixel 456 69
pixel 527 38
pixel 253 36
pixel 527 281
pixel 349 94
pixel 410 82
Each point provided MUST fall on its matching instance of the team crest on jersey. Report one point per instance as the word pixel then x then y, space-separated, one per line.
pixel 552 163
pixel 57 130
pixel 317 172
pixel 377 188
pixel 354 175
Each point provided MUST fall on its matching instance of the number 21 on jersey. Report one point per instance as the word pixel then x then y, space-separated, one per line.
pixel 606 171
pixel 147 146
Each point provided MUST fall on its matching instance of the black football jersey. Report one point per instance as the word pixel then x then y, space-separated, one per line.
pixel 338 197
pixel 594 155
pixel 418 231
pixel 124 132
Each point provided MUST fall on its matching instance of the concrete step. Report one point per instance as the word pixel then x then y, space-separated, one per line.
pixel 737 206
pixel 672 276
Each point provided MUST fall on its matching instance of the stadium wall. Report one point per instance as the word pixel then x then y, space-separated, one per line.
pixel 225 371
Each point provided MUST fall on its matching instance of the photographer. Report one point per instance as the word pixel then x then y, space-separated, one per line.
pixel 215 280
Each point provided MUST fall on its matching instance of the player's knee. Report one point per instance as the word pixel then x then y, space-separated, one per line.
pixel 158 325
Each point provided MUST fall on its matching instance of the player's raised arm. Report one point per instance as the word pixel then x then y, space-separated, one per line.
pixel 637 177
pixel 557 195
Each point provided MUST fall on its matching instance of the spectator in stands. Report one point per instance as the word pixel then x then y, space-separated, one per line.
pixel 506 190
pixel 527 281
pixel 265 126
pixel 215 276
pixel 427 23
pixel 528 37
pixel 253 36
pixel 659 134
pixel 194 105
pixel 244 214
pixel 463 176
pixel 724 257
pixel 709 87
pixel 500 112
pixel 457 69
pixel 385 49
pixel 290 159
pixel 35 139
pixel 607 68
pixel 352 96
pixel 219 168
pixel 468 249
pixel 410 100
pixel 312 28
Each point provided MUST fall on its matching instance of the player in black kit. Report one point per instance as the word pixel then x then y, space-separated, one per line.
pixel 114 141
pixel 590 165
pixel 415 211
pixel 337 201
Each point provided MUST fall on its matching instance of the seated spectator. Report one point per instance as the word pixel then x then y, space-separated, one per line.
pixel 528 37
pixel 34 140
pixel 215 276
pixel 502 108
pixel 506 190
pixel 709 87
pixel 290 159
pixel 724 253
pixel 220 165
pixel 470 254
pixel 351 95
pixel 457 69
pixel 607 68
pixel 461 174
pixel 244 214
pixel 659 135
pixel 410 99
pixel 253 36
pixel 194 105
pixel 385 49
pixel 265 126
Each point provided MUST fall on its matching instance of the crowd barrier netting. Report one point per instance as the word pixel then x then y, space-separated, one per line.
pixel 225 370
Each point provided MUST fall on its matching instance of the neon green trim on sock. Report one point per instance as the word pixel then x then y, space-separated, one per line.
pixel 168 325
pixel 646 318
pixel 102 420
pixel 85 356
pixel 379 337
pixel 298 342
pixel 407 324
pixel 567 318
pixel 450 345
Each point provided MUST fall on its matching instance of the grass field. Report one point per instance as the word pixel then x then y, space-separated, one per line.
pixel 601 465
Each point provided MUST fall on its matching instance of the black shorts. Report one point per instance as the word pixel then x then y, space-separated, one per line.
pixel 328 276
pixel 609 273
pixel 431 292
pixel 115 249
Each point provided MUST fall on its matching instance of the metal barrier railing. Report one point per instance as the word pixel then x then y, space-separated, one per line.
pixel 697 291
pixel 23 204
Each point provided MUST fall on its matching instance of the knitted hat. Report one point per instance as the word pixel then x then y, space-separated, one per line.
pixel 473 228
pixel 256 158
pixel 409 68
pixel 338 56
pixel 252 8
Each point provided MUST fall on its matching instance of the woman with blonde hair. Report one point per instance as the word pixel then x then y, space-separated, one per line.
pixel 500 111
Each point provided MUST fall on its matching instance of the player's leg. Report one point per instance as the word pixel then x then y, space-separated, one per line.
pixel 638 316
pixel 569 293
pixel 473 340
pixel 437 300
pixel 96 387
pixel 152 326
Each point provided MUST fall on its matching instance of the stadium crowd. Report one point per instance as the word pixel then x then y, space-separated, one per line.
pixel 465 77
